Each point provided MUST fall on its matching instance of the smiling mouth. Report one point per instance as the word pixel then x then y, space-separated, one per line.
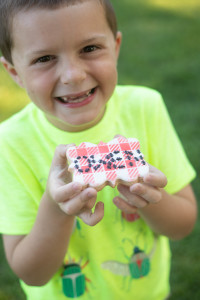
pixel 76 98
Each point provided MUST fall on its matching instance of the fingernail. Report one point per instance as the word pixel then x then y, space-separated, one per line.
pixel 123 197
pixel 76 187
pixel 135 188
pixel 119 187
pixel 90 194
pixel 148 178
pixel 116 200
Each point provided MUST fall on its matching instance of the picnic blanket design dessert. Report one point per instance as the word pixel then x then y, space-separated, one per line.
pixel 119 160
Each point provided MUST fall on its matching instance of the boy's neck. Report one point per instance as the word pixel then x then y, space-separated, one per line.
pixel 74 128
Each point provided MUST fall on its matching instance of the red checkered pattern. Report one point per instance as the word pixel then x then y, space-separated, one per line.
pixel 106 162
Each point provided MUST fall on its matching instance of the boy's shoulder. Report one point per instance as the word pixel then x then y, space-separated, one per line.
pixel 137 98
pixel 138 92
pixel 17 125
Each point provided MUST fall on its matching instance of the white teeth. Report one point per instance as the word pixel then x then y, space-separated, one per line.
pixel 88 93
pixel 76 99
pixel 64 99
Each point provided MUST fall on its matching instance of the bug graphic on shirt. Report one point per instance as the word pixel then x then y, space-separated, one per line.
pixel 77 227
pixel 137 267
pixel 138 264
pixel 73 280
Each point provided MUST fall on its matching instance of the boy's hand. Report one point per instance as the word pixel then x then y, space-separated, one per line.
pixel 70 196
pixel 140 195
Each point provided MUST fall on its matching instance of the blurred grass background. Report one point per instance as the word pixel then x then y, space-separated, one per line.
pixel 161 49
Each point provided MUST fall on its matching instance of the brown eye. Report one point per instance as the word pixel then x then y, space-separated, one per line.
pixel 90 48
pixel 45 59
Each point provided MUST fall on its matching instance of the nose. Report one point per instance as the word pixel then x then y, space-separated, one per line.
pixel 73 72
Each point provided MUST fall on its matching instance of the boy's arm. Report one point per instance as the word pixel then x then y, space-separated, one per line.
pixel 170 215
pixel 174 216
pixel 37 256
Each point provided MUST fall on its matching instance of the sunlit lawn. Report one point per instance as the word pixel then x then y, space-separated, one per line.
pixel 161 49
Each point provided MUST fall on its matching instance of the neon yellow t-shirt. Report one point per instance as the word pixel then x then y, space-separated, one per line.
pixel 119 258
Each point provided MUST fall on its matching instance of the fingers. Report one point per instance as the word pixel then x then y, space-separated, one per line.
pixel 72 197
pixel 147 193
pixel 82 205
pixel 59 167
pixel 84 200
pixel 118 135
pixel 123 205
pixel 59 159
pixel 141 194
pixel 155 178
pixel 92 218
pixel 59 175
pixel 133 199
pixel 67 191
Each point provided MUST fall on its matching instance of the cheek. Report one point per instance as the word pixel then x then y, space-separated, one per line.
pixel 110 78
pixel 39 86
pixel 106 72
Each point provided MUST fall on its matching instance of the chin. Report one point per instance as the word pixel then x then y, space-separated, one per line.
pixel 86 120
pixel 83 125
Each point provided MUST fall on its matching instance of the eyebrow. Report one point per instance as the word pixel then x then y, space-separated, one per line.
pixel 93 39
pixel 39 52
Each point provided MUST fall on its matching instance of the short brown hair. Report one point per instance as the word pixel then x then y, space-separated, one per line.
pixel 9 8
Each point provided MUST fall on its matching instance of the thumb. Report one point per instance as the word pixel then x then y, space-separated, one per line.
pixel 118 136
pixel 92 218
pixel 60 159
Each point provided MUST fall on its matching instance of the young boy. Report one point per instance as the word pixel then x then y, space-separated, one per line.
pixel 64 53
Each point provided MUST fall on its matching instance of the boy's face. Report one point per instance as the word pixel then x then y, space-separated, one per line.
pixel 66 60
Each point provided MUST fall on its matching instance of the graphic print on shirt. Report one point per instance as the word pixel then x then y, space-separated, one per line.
pixel 77 227
pixel 130 217
pixel 73 280
pixel 137 266
pixel 121 216
pixel 126 218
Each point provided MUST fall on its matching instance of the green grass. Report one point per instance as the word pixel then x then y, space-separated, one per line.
pixel 9 286
pixel 12 97
pixel 161 50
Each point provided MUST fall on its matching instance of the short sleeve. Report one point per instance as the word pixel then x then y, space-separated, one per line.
pixel 166 150
pixel 19 192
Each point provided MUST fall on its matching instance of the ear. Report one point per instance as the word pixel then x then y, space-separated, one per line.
pixel 12 71
pixel 118 42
